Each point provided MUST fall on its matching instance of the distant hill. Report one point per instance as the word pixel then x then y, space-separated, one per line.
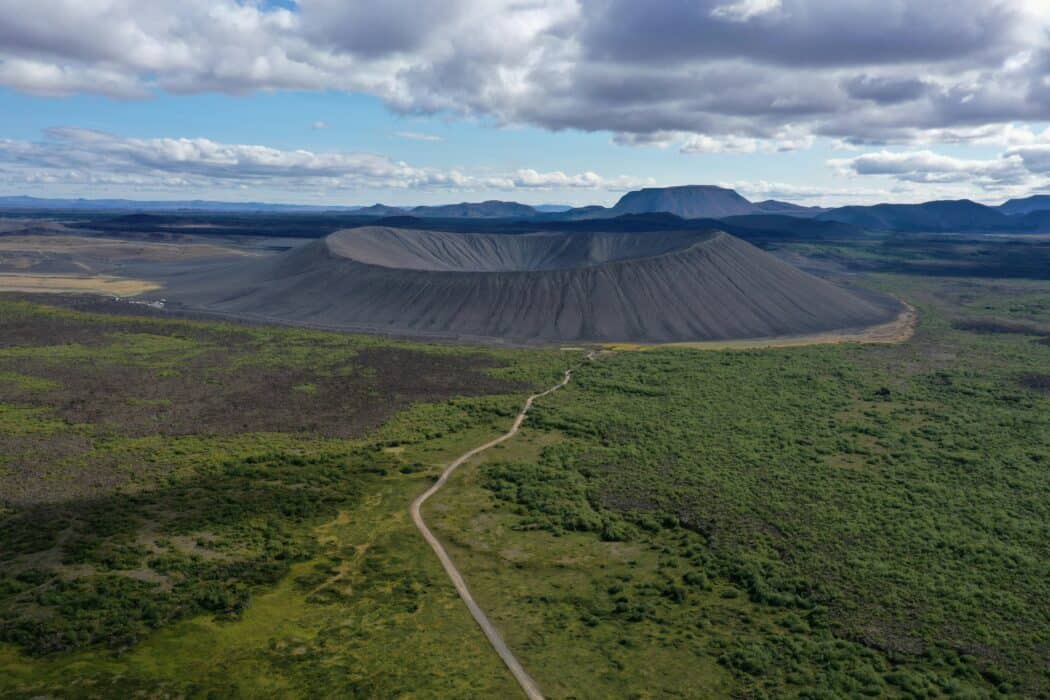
pixel 591 211
pixel 1027 205
pixel 1036 221
pixel 938 216
pixel 466 210
pixel 774 206
pixel 687 201
pixel 34 203
pixel 690 202
pixel 491 209
pixel 380 210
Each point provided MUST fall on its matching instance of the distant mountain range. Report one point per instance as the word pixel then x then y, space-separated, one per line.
pixel 1031 214
pixel 1027 215
pixel 929 216
pixel 491 209
pixel 962 215
pixel 125 205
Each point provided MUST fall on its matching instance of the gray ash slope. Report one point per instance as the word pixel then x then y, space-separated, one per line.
pixel 542 287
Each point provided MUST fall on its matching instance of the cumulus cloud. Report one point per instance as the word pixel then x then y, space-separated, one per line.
pixel 862 71
pixel 70 155
pixel 531 179
pixel 929 167
pixel 811 195
pixel 48 79
pixel 1036 157
pixel 787 139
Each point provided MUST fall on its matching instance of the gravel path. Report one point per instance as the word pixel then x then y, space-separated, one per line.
pixel 528 685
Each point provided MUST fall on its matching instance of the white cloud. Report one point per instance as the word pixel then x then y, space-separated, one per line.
pixel 922 166
pixel 418 136
pixel 743 10
pixel 51 80
pixel 723 71
pixel 531 179
pixel 87 157
pixel 1014 170
pixel 786 139
pixel 810 195
pixel 1035 157
pixel 656 139
pixel 729 143
pixel 319 124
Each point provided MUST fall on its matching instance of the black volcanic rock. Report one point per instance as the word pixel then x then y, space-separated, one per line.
pixel 549 287
pixel 687 201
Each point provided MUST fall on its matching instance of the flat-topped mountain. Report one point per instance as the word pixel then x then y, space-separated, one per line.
pixel 691 202
pixel 687 201
pixel 660 286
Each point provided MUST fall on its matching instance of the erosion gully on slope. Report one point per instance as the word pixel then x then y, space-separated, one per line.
pixel 528 685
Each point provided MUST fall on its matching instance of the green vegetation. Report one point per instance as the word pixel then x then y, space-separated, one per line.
pixel 825 521
pixel 197 508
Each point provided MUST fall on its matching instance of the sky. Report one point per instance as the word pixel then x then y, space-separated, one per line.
pixel 540 101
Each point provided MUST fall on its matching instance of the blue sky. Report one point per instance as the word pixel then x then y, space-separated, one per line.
pixel 356 122
pixel 550 102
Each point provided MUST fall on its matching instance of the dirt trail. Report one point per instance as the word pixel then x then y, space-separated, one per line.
pixel 528 685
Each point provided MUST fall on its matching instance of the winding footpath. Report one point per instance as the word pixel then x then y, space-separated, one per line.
pixel 528 685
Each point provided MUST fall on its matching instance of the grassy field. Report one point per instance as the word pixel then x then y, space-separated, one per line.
pixel 71 284
pixel 197 508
